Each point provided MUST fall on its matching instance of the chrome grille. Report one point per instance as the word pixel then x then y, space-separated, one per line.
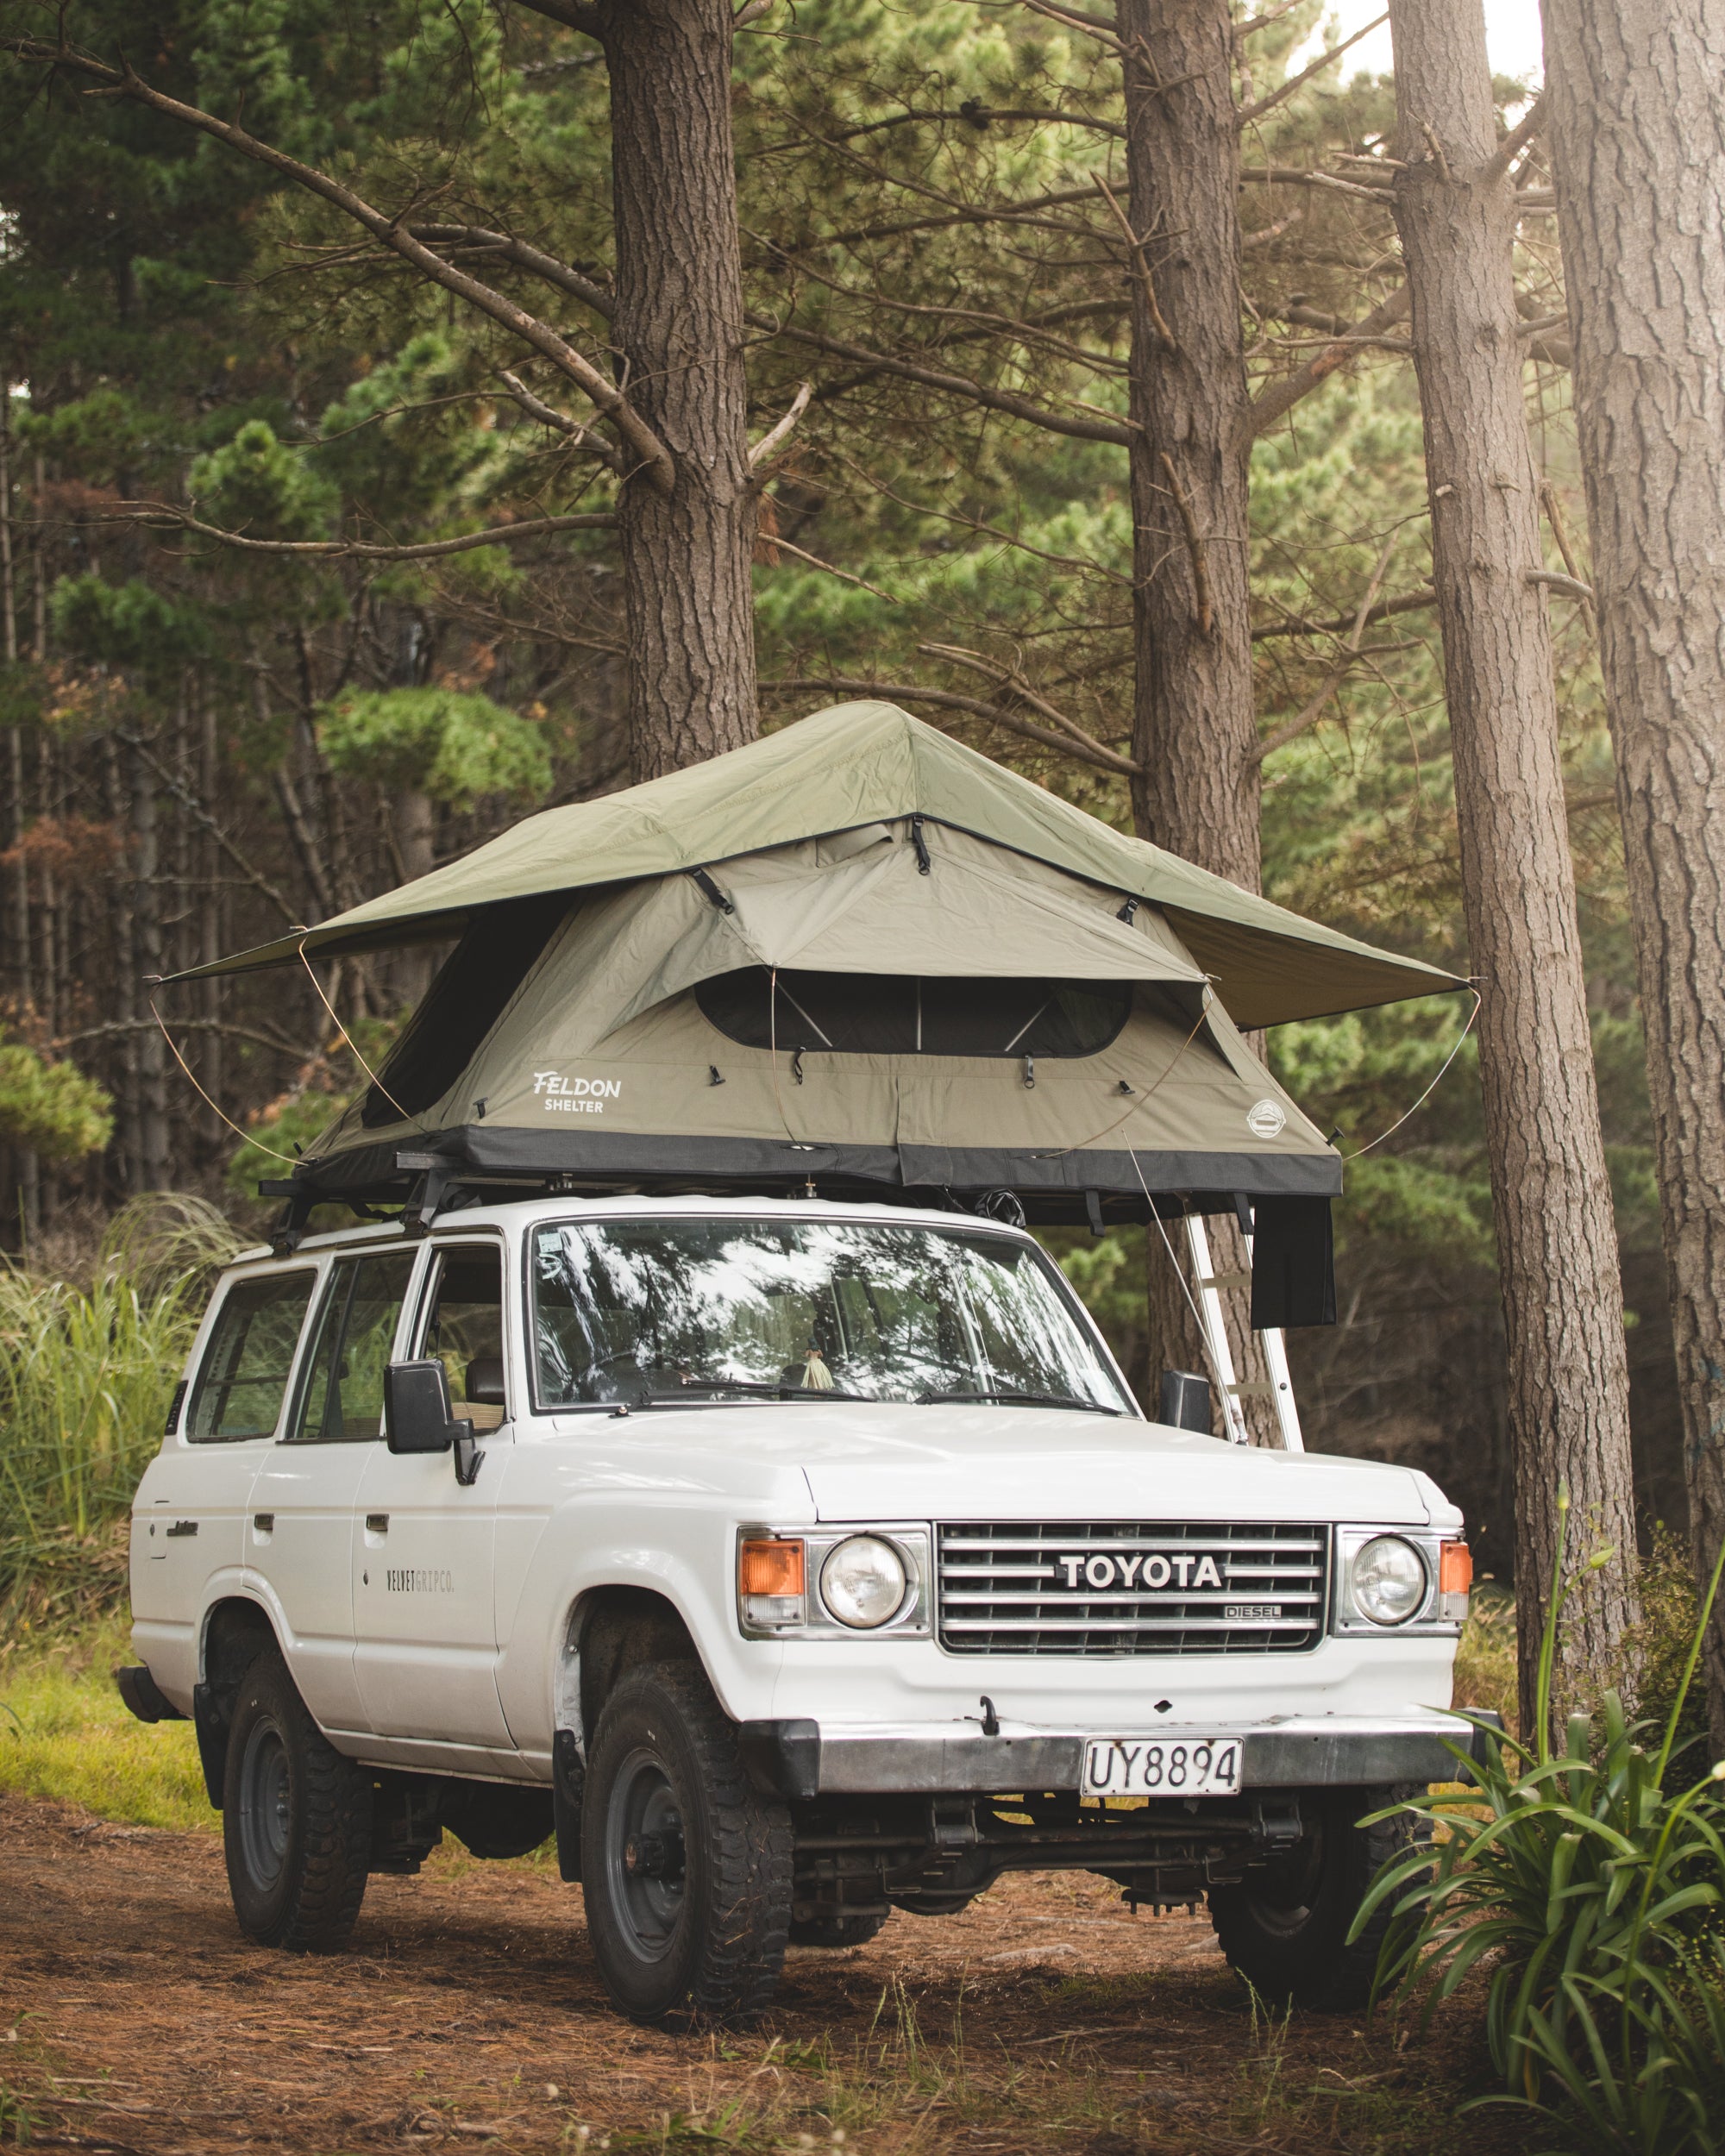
pixel 1113 1587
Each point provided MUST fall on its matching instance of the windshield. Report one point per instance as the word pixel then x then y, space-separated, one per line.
pixel 644 1310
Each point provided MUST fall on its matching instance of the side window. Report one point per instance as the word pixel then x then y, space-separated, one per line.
pixel 340 1396
pixel 464 1330
pixel 245 1368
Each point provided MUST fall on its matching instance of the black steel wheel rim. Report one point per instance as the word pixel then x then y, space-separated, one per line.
pixel 644 1858
pixel 266 1802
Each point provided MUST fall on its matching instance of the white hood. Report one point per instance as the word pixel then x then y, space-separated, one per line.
pixel 1035 1463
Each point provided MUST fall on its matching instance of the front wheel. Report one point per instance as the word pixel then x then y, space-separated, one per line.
pixel 685 1867
pixel 295 1819
pixel 1284 1928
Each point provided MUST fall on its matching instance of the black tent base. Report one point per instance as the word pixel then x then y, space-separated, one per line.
pixel 1286 1199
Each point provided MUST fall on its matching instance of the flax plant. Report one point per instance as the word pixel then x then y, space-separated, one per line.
pixel 86 1377
pixel 1593 1889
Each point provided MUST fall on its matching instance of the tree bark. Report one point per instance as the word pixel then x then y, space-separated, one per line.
pixel 1194 725
pixel 679 332
pixel 1563 1303
pixel 1637 141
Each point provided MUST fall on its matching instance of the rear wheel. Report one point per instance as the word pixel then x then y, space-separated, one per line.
pixel 685 1869
pixel 1284 1929
pixel 296 1819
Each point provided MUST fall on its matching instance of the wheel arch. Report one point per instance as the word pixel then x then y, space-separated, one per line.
pixel 609 1630
pixel 236 1631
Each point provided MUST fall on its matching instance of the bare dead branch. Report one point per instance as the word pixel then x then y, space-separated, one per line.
pixel 578 437
pixel 1297 726
pixel 543 265
pixel 1009 678
pixel 277 1044
pixel 1554 517
pixel 149 513
pixel 1081 428
pixel 1279 398
pixel 573 14
pixel 1530 123
pixel 1140 263
pixel 1095 26
pixel 950 700
pixel 388 231
pixel 1404 603
pixel 1194 544
pixel 830 568
pixel 1564 587
pixel 1285 91
pixel 770 441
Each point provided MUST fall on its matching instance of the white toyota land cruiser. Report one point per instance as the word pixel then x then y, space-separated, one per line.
pixel 792 1562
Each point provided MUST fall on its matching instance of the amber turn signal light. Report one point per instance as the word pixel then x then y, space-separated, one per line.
pixel 774 1567
pixel 1455 1568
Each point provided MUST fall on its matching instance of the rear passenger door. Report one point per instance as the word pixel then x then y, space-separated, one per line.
pixel 190 1526
pixel 424 1557
pixel 307 1494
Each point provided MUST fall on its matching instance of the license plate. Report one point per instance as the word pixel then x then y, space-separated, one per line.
pixel 1161 1766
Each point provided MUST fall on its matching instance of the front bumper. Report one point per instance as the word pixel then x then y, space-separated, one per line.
pixel 805 1758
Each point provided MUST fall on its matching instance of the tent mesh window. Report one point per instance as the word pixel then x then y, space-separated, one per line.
pixel 461 1005
pixel 888 1014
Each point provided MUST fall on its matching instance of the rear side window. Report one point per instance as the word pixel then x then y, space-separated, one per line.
pixel 340 1400
pixel 246 1367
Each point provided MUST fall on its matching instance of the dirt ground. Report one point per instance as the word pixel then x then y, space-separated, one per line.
pixel 134 2018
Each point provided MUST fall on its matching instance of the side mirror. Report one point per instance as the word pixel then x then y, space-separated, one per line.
pixel 416 1418
pixel 1185 1402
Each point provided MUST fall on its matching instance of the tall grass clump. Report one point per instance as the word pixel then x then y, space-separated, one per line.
pixel 86 1373
pixel 1589 1879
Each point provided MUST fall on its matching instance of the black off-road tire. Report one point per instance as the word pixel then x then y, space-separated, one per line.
pixel 1284 1929
pixel 295 1819
pixel 835 1931
pixel 686 1868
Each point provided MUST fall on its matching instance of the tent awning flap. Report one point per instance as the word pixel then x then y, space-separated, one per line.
pixel 844 769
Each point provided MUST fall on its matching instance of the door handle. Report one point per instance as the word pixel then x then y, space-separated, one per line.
pixel 377 1523
pixel 182 1527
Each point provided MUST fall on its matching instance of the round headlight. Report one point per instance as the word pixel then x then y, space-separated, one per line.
pixel 1389 1579
pixel 862 1582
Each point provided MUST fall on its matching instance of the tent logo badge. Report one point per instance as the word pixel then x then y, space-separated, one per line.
pixel 575 1096
pixel 1264 1118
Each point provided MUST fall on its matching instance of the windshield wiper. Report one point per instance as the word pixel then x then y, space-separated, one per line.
pixel 1012 1394
pixel 759 1390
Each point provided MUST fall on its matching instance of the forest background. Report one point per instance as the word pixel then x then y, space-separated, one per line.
pixel 204 742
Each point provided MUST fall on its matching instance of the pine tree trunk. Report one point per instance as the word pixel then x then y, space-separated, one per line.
pixel 1194 718
pixel 1563 1303
pixel 679 332
pixel 1638 140
pixel 1194 726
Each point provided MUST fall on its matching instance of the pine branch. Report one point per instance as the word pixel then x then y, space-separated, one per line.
pixel 388 231
pixel 1405 602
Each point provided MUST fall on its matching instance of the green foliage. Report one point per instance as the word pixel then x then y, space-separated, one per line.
pixel 64 1732
pixel 455 747
pixel 85 1375
pixel 130 626
pixel 52 1108
pixel 1653 1656
pixel 1588 1880
pixel 257 485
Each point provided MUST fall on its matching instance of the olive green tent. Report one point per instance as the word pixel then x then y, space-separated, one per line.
pixel 853 955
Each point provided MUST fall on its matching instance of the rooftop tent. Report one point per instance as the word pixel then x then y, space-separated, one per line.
pixel 853 955
pixel 854 765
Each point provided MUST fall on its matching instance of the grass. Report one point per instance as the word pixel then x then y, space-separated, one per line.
pixel 65 1733
pixel 86 1372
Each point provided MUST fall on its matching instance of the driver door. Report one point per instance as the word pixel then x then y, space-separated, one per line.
pixel 424 1552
